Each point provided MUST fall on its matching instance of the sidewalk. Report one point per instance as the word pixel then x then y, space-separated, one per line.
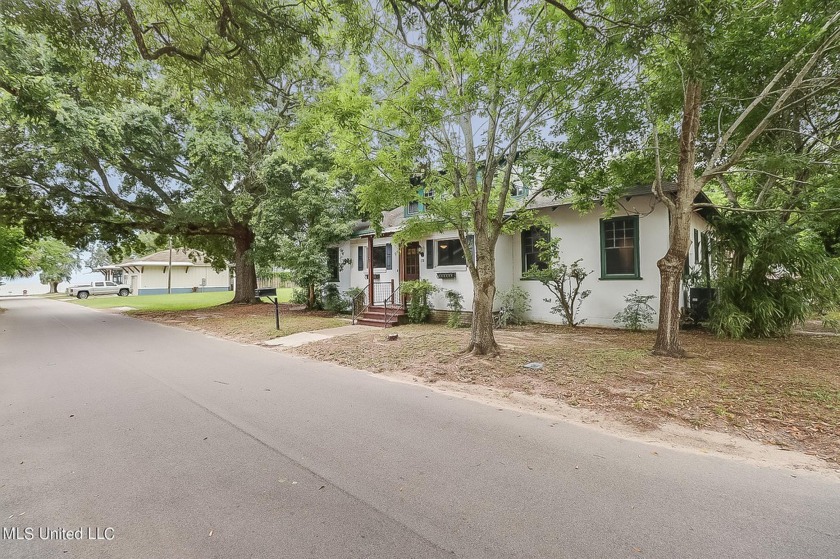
pixel 301 338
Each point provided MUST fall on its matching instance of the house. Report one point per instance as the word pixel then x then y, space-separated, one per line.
pixel 153 275
pixel 621 251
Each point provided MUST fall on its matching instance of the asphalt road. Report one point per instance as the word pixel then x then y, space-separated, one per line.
pixel 187 446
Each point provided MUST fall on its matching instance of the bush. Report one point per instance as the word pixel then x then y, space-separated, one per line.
pixel 514 303
pixel 355 306
pixel 638 313
pixel 562 280
pixel 332 299
pixel 299 297
pixel 455 303
pixel 770 277
pixel 419 308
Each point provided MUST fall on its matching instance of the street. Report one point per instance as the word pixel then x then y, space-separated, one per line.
pixel 189 446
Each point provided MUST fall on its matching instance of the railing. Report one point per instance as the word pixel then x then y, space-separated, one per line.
pixel 360 303
pixel 384 293
pixel 395 307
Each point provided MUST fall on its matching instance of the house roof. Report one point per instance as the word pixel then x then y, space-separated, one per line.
pixel 180 257
pixel 393 220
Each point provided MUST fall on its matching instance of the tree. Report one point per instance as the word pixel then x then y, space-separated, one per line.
pixel 707 84
pixel 175 140
pixel 55 260
pixel 309 211
pixel 454 99
pixel 14 253
pixel 99 257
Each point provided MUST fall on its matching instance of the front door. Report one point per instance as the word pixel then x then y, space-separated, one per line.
pixel 412 262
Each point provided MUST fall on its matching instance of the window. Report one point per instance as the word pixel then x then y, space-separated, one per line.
pixel 99 284
pixel 620 248
pixel 332 264
pixel 530 252
pixel 450 253
pixel 418 206
pixel 110 284
pixel 360 259
pixel 518 190
pixel 379 257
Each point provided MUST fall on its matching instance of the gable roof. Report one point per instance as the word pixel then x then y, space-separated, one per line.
pixel 180 257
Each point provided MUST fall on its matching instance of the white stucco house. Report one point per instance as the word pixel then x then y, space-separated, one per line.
pixel 621 251
pixel 152 274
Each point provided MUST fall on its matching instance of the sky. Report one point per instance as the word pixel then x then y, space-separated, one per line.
pixel 33 285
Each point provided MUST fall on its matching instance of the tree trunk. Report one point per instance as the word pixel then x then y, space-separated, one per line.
pixel 311 296
pixel 482 340
pixel 670 277
pixel 246 271
pixel 53 287
pixel 672 264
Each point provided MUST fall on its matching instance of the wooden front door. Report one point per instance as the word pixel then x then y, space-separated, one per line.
pixel 412 262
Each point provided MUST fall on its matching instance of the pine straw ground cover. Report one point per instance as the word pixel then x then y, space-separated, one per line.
pixel 245 323
pixel 781 392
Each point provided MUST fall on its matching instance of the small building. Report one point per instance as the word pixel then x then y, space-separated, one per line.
pixel 151 275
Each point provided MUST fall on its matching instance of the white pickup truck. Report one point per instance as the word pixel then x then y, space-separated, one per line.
pixel 99 288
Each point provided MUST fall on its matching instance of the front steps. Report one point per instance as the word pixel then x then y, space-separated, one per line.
pixel 376 316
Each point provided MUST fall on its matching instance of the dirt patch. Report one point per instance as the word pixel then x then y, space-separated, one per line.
pixel 784 393
pixel 245 323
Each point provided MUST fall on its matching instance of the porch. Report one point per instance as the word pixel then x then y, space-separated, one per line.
pixel 385 267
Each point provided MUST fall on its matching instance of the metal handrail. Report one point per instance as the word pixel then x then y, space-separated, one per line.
pixel 395 307
pixel 361 306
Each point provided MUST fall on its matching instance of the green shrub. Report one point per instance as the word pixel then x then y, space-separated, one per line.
pixel 333 301
pixel 562 280
pixel 638 313
pixel 299 297
pixel 771 276
pixel 514 304
pixel 455 303
pixel 419 308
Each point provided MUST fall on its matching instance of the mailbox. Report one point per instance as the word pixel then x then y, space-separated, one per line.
pixel 266 292
pixel 270 292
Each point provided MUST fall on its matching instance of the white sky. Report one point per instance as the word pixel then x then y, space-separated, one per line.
pixel 33 285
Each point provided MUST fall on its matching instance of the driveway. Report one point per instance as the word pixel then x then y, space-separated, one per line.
pixel 187 446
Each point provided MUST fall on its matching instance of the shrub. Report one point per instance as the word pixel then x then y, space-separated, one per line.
pixel 299 297
pixel 332 299
pixel 771 276
pixel 419 308
pixel 562 280
pixel 352 293
pixel 638 313
pixel 455 303
pixel 514 303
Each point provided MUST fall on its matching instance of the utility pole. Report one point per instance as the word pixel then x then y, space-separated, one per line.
pixel 169 275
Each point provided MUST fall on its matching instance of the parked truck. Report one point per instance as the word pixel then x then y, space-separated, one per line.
pixel 99 288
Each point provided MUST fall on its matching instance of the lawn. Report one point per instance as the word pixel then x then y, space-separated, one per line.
pixel 245 323
pixel 174 302
pixel 781 392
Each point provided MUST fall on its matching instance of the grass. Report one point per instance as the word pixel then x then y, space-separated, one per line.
pixel 782 392
pixel 174 302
